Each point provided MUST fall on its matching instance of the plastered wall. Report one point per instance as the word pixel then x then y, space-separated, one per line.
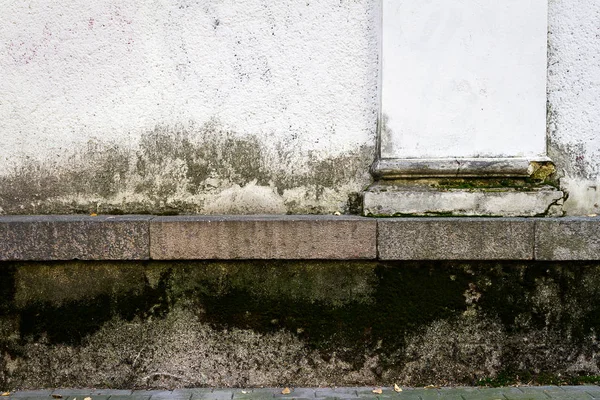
pixel 187 106
pixel 219 106
pixel 574 100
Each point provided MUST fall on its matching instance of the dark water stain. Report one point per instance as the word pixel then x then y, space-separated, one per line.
pixel 170 161
pixel 473 321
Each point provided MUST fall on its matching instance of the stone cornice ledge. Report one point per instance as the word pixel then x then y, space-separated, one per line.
pixel 130 238
pixel 397 168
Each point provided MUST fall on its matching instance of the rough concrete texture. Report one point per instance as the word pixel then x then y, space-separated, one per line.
pixel 248 324
pixel 198 107
pixel 568 239
pixel 74 238
pixel 256 237
pixel 387 200
pixel 573 101
pixel 452 239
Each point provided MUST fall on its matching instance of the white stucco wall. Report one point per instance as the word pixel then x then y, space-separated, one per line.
pixel 464 78
pixel 299 77
pixel 114 105
pixel 574 100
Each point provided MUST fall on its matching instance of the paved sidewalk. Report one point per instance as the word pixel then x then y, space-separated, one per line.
pixel 463 393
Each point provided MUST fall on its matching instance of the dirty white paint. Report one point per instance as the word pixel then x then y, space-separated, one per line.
pixel 301 78
pixel 574 100
pixel 301 75
pixel 464 78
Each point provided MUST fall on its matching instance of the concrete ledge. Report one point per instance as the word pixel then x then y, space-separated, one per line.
pixel 455 239
pixel 398 201
pixel 395 168
pixel 263 237
pixel 48 238
pixel 56 238
pixel 568 239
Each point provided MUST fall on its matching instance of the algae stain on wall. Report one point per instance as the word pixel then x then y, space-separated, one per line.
pixel 188 169
pixel 294 323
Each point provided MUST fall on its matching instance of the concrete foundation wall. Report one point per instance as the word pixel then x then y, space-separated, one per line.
pixel 164 325
pixel 230 107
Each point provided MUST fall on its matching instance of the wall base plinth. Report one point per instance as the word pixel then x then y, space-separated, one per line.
pixel 490 187
pixel 387 200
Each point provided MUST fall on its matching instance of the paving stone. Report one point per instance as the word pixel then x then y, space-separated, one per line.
pixel 114 392
pixel 31 393
pixel 416 394
pixel 263 237
pixel 128 397
pixel 73 237
pixel 497 393
pixel 533 392
pixel 255 394
pixel 336 393
pixel 251 394
pixel 458 393
pixel 199 393
pixel 94 393
pixel 73 392
pixel 566 239
pixel 387 393
pixel 171 395
pixel 296 393
pixel 587 389
pixel 32 398
pixel 217 394
pixel 147 392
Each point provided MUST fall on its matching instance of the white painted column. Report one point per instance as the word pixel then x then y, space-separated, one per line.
pixel 463 80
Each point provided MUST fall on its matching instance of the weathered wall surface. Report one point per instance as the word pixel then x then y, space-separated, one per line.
pixel 296 323
pixel 186 106
pixel 574 100
pixel 230 107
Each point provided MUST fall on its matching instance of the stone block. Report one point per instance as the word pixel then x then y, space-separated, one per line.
pixel 48 238
pixel 568 239
pixel 386 200
pixel 455 239
pixel 263 237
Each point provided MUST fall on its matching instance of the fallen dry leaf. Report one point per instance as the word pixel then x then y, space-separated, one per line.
pixel 244 392
pixel 377 391
pixel 592 215
pixel 432 387
pixel 6 394
pixel 93 215
pixel 286 391
pixel 397 388
pixel 57 396
pixel 88 398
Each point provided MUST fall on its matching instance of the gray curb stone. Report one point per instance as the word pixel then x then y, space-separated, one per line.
pixel 455 239
pixel 568 239
pixel 63 238
pixel 263 237
pixel 47 238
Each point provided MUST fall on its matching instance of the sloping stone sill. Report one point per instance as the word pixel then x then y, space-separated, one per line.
pixel 63 238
